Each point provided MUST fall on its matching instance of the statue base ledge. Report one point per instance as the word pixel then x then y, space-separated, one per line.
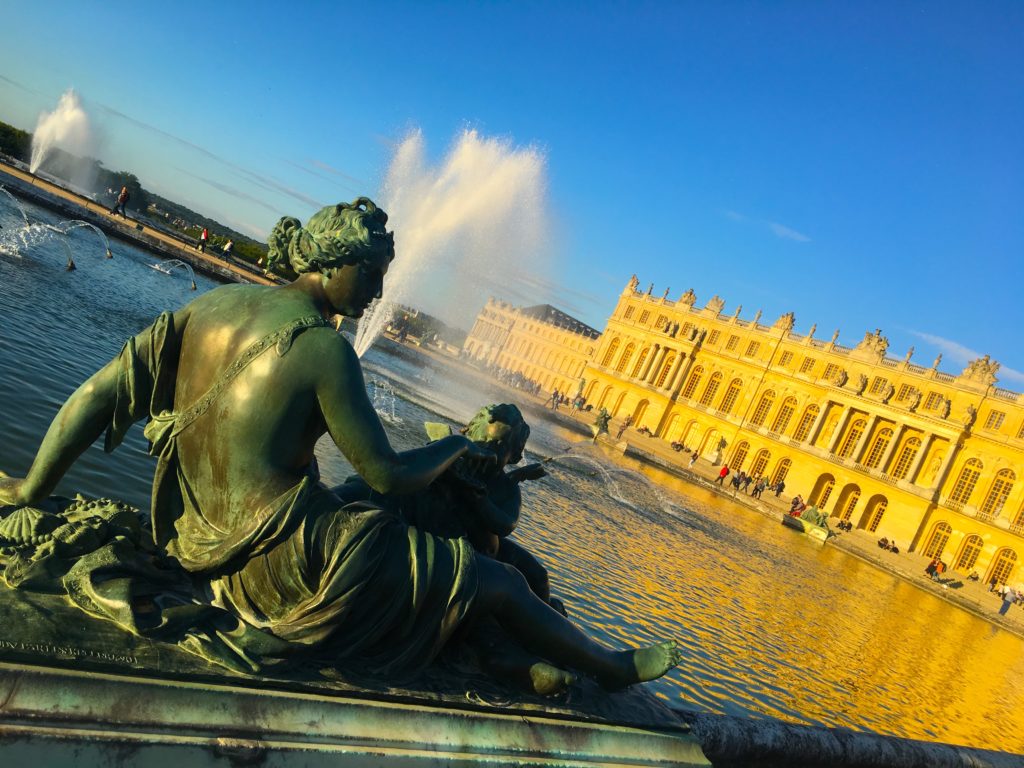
pixel 58 717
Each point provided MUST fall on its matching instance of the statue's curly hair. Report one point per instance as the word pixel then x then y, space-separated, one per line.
pixel 497 426
pixel 335 236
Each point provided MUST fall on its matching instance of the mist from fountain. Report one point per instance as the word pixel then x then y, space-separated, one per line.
pixel 66 127
pixel 474 225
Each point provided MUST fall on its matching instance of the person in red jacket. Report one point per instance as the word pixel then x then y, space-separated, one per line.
pixel 723 474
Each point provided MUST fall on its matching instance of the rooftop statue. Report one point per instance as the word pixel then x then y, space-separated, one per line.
pixel 689 298
pixel 787 321
pixel 982 370
pixel 248 559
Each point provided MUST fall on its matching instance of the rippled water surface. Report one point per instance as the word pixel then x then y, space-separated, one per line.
pixel 771 623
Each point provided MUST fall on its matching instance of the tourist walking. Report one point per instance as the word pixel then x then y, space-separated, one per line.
pixel 119 204
pixel 228 246
pixel 693 459
pixel 723 474
pixel 626 423
pixel 203 237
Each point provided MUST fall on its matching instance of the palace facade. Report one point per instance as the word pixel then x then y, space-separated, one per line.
pixel 926 458
pixel 541 343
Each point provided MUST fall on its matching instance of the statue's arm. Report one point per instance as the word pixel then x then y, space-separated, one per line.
pixel 356 429
pixel 83 418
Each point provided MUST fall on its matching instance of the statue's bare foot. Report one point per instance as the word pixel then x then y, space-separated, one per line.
pixel 642 664
pixel 548 680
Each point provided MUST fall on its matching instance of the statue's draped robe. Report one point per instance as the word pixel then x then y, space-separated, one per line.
pixel 347 581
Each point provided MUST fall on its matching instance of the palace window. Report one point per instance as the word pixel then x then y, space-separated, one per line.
pixel 752 348
pixel 760 462
pixel 731 394
pixel 624 360
pixel 904 392
pixel 882 440
pixel 691 385
pixel 761 412
pixel 997 494
pixel 739 456
pixel 806 421
pixel 662 322
pixel 713 339
pixel 878 385
pixel 786 359
pixel 851 504
pixel 640 362
pixel 784 415
pixel 781 471
pixel 969 553
pixel 730 345
pixel 906 457
pixel 876 515
pixel 807 364
pixel 831 371
pixel 711 389
pixel 1020 432
pixel 612 349
pixel 824 493
pixel 666 367
pixel 852 437
pixel 628 313
pixel 1002 568
pixel 939 537
pixel 645 316
pixel 995 419
pixel 686 330
pixel 964 485
pixel 934 401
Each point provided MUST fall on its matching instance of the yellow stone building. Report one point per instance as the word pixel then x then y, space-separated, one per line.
pixel 925 458
pixel 542 343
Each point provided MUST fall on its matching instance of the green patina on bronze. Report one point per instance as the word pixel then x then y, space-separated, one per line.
pixel 246 559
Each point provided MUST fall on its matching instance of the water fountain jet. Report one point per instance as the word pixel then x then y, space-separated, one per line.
pixel 66 127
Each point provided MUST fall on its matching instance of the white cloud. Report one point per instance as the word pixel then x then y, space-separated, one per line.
pixel 779 230
pixel 955 352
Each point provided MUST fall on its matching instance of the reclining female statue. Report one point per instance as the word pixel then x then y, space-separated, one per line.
pixel 238 386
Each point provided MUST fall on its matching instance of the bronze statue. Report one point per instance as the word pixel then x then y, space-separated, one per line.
pixel 237 388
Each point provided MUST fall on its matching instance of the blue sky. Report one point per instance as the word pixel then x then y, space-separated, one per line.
pixel 860 164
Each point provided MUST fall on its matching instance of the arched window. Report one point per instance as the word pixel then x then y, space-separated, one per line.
pixel 760 462
pixel 969 553
pixel 882 440
pixel 906 458
pixel 803 429
pixel 824 492
pixel 1002 566
pixel 624 360
pixel 852 437
pixel 997 494
pixel 851 504
pixel 739 456
pixel 937 541
pixel 876 515
pixel 781 470
pixel 691 385
pixel 761 412
pixel 610 353
pixel 731 394
pixel 964 485
pixel 666 367
pixel 711 389
pixel 785 413
pixel 640 362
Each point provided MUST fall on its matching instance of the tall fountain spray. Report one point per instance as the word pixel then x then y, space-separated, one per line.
pixel 66 127
pixel 475 225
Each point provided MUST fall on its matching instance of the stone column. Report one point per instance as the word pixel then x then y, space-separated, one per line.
pixel 678 373
pixel 677 366
pixel 818 421
pixel 897 435
pixel 658 359
pixel 858 449
pixel 840 426
pixel 926 445
pixel 681 377
pixel 648 363
pixel 947 462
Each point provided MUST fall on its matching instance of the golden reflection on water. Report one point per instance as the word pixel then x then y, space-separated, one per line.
pixel 772 623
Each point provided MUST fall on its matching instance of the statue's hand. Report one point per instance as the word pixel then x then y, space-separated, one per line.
pixel 11 491
pixel 533 471
pixel 478 459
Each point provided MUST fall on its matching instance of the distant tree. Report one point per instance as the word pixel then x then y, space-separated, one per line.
pixel 15 142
